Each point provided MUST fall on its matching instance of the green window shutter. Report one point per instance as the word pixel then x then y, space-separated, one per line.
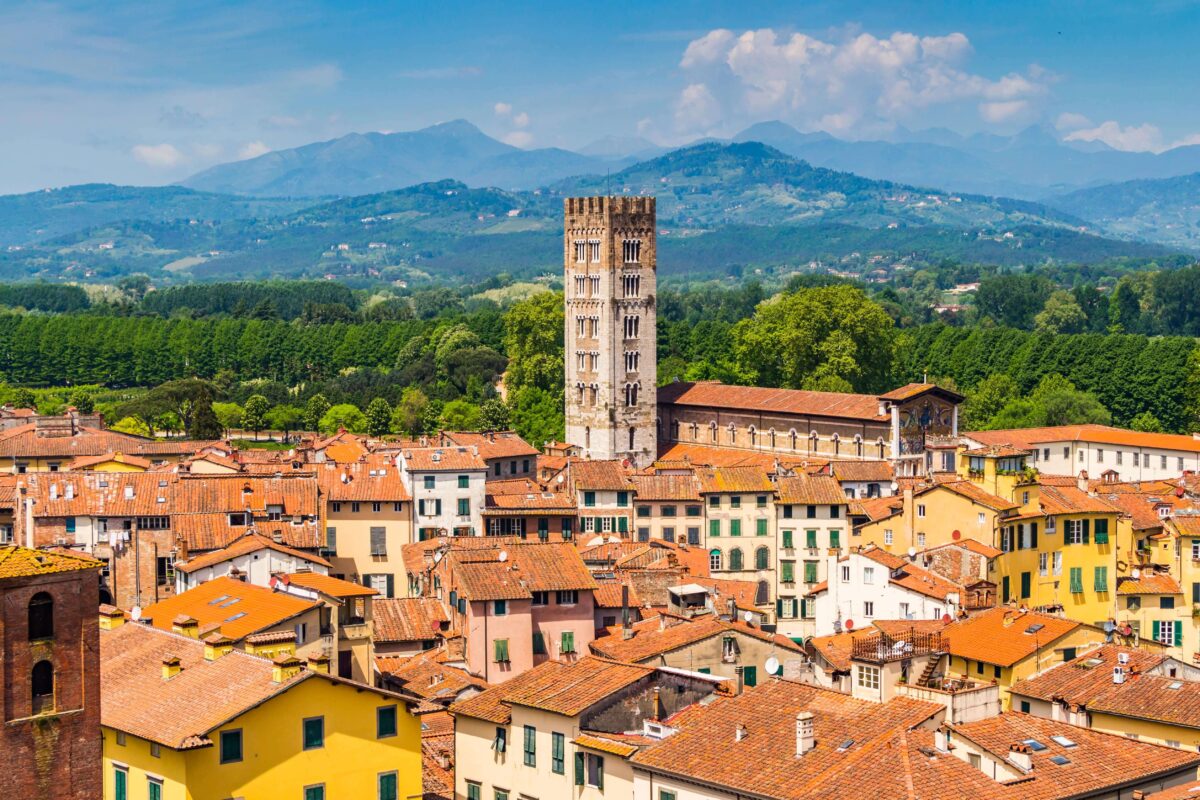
pixel 1178 632
pixel 810 572
pixel 568 642
pixel 810 539
pixel 388 786
pixel 501 647
pixel 1154 630
pixel 539 644
pixel 120 784
pixel 714 527
pixel 622 524
pixel 1005 591
pixel 1086 530
pixel 579 765
pixel 530 746
pixel 787 539
pixel 1076 580
pixel 1025 585
pixel 835 539
pixel 789 571
pixel 1033 539
pixel 750 676
pixel 1196 592
pixel 599 772
pixel 391 585
pixel 761 527
pixel 735 527
pixel 1101 575
pixel 557 746
pixel 1101 531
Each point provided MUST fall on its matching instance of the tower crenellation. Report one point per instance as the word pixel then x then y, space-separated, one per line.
pixel 610 267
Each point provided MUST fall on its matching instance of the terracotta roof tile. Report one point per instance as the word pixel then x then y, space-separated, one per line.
pixel 373 479
pixel 680 488
pixel 975 494
pixel 856 471
pixel 442 459
pixel 327 585
pixel 697 455
pixel 786 401
pixel 83 462
pixel 1066 499
pixel 501 444
pixel 715 480
pixel 23 441
pixel 986 637
pixel 598 475
pixel 408 619
pixel 581 685
pixel 23 562
pixel 244 544
pixel 809 490
pixel 1149 582
pixel 650 639
pixel 424 676
pixel 490 705
pixel 1026 438
pixel 240 609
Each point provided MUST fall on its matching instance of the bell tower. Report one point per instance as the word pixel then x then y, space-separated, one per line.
pixel 609 259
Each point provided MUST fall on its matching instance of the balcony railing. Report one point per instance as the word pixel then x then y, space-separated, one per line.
pixel 881 648
pixel 354 630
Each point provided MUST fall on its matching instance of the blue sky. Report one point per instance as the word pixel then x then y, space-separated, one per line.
pixel 148 93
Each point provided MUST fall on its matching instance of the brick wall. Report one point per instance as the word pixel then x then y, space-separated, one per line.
pixel 53 756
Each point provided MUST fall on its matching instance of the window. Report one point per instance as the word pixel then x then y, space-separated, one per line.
pixel 154 787
pixel 464 507
pixel 500 743
pixel 378 541
pixel 760 527
pixel 762 558
pixel 540 598
pixel 668 511
pixel 1058 564
pixel 568 597
pixel 714 527
pixel 787 571
pixel 314 733
pixel 1101 583
pixel 845 574
pixel 867 676
pixel 557 748
pixel 888 536
pixel 530 746
pixel 589 499
pixel 1043 564
pixel 868 608
pixel 622 499
pixel 120 783
pixel 810 571
pixel 735 527
pixel 385 722
pixel 473 790
pixel 1076 580
pixel 499 608
pixel 231 746
pixel 500 646
pixel 539 643
pixel 1168 632
pixel 788 543
pixel 592 767
pixel 714 559
pixel 811 512
pixel 42 687
pixel 735 501
pixel 1165 602
pixel 663 794
pixel 920 510
pixel 735 558
pixel 693 535
pixel 835 539
pixel 41 616
pixel 314 792
pixel 389 786
pixel 567 644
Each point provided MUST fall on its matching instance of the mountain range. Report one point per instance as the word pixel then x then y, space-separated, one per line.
pixel 723 208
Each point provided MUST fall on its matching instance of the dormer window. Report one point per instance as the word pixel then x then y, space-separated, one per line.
pixel 238 518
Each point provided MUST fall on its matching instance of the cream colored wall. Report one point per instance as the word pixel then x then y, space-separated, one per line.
pixel 799 524
pixel 353 557
pixel 680 522
pixel 748 541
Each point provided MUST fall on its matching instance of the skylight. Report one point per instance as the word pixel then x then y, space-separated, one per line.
pixel 1035 745
pixel 216 600
pixel 846 745
pixel 230 602
pixel 1062 741
pixel 1035 627
pixel 1092 662
pixel 1176 685
pixel 1060 760
pixel 238 615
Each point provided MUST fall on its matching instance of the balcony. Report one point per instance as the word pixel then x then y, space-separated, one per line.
pixel 880 648
pixel 965 700
pixel 354 630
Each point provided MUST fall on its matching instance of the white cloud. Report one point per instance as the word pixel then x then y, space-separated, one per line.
pixel 1186 141
pixel 502 109
pixel 521 120
pixel 1145 137
pixel 159 156
pixel 252 150
pixel 1004 110
pixel 1071 121
pixel 321 76
pixel 861 81
pixel 518 138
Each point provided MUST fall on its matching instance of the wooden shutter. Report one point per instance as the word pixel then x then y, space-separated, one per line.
pixel 378 541
pixel 579 765
pixel 1178 633
pixel 1087 524
pixel 1033 535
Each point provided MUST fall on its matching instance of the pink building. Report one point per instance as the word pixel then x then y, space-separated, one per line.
pixel 518 605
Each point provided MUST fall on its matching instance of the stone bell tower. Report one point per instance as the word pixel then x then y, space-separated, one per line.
pixel 609 259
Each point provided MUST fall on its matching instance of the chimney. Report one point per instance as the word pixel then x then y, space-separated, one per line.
pixel 285 667
pixel 941 740
pixel 1082 480
pixel 318 662
pixel 111 617
pixel 805 740
pixel 1020 755
pixel 739 733
pixel 740 672
pixel 656 708
pixel 625 610
pixel 216 645
pixel 171 667
pixel 186 626
pixel 731 607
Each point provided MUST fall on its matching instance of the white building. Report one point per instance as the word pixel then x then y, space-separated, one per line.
pixel 1096 449
pixel 447 486
pixel 871 584
pixel 252 558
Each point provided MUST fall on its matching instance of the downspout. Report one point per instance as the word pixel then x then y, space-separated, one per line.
pixel 486 662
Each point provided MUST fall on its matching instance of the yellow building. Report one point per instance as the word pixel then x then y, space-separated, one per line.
pixel 1007 646
pixel 111 462
pixel 368 520
pixel 932 516
pixel 1059 551
pixel 1123 690
pixel 182 722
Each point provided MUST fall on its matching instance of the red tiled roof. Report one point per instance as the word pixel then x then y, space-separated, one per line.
pixel 246 543
pixel 373 479
pixel 443 459
pixel 714 480
pixel 1149 582
pixel 501 444
pixel 666 487
pixel 327 585
pixel 784 401
pixel 1069 499
pixel 806 489
pixel 856 471
pixel 239 608
pixel 975 494
pixel 1026 438
pixel 651 640
pixel 985 636
pixel 24 562
pixel 24 441
pixel 408 619
pixel 598 475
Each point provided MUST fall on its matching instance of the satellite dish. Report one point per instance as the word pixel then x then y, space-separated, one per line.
pixel 1137 573
pixel 560 478
pixel 748 616
pixel 437 557
pixel 772 666
pixel 895 486
pixel 136 613
pixel 956 535
pixel 502 557
pixel 912 552
pixel 946 618
pixel 849 624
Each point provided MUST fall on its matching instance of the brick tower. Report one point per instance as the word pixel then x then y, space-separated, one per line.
pixel 609 257
pixel 50 745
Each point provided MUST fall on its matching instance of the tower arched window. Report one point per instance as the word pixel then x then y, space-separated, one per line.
pixel 812 442
pixel 732 433
pixel 41 616
pixel 712 432
pixel 771 434
pixel 837 444
pixel 695 432
pixel 675 430
pixel 793 436
pixel 714 560
pixel 631 434
pixel 735 558
pixel 858 445
pixel 762 558
pixel 42 687
pixel 879 444
pixel 753 436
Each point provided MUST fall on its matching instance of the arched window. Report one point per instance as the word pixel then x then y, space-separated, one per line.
pixel 762 595
pixel 753 436
pixel 879 442
pixel 812 442
pixel 42 687
pixel 771 433
pixel 793 437
pixel 587 438
pixel 714 560
pixel 675 430
pixel 712 431
pixel 762 558
pixel 695 432
pixel 735 558
pixel 837 444
pixel 41 616
pixel 631 438
pixel 858 445
pixel 732 433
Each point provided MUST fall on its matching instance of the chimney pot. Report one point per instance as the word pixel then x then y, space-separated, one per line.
pixel 805 739
pixel 739 733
